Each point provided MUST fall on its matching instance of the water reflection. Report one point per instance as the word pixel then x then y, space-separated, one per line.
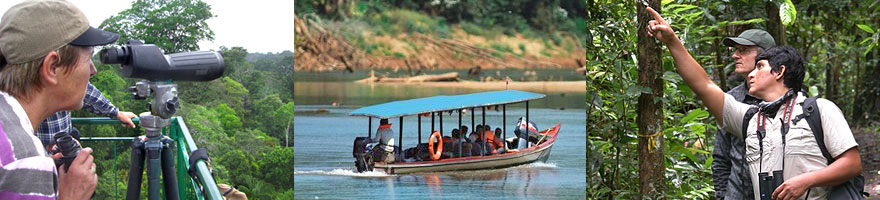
pixel 519 181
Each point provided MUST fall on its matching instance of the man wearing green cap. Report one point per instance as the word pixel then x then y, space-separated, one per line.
pixel 45 65
pixel 729 172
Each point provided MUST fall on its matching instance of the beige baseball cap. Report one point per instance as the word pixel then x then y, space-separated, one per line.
pixel 31 29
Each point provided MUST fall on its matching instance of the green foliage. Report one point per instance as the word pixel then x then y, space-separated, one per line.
pixel 235 93
pixel 396 21
pixel 239 164
pixel 265 109
pixel 227 117
pixel 502 47
pixel 872 41
pixel 787 12
pixel 485 31
pixel 508 16
pixel 235 61
pixel 174 26
pixel 276 165
pixel 285 195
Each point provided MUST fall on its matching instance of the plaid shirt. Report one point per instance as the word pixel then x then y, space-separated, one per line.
pixel 94 102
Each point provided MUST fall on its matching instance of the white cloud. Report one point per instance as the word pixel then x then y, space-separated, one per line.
pixel 258 26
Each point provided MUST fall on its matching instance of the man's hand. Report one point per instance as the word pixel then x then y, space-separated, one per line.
pixel 691 71
pixel 659 29
pixel 793 188
pixel 126 117
pixel 80 180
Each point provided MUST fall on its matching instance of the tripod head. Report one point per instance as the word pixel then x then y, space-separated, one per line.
pixel 163 106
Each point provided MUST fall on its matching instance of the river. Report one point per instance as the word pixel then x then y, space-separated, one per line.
pixel 323 137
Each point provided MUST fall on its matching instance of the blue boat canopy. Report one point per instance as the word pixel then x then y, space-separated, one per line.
pixel 445 103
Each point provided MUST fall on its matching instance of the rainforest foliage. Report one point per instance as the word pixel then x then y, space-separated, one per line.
pixel 838 39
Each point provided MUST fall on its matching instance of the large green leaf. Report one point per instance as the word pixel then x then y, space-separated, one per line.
pixel 866 28
pixel 695 114
pixel 787 12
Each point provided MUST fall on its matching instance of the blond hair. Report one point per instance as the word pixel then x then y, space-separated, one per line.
pixel 22 79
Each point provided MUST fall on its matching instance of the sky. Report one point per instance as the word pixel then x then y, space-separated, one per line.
pixel 258 25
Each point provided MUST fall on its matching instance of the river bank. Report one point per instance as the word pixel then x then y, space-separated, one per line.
pixel 544 86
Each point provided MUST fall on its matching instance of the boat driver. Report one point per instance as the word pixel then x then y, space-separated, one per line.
pixel 382 146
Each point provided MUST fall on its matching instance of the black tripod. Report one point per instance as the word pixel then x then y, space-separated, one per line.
pixel 154 147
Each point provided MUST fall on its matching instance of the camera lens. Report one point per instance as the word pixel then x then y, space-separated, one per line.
pixel 114 56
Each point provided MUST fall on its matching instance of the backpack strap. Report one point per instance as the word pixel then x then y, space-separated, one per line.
pixel 746 119
pixel 854 187
pixel 814 119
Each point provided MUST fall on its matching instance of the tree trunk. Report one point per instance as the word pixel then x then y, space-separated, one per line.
pixel 650 113
pixel 832 79
pixel 865 95
pixel 720 74
pixel 774 25
pixel 287 133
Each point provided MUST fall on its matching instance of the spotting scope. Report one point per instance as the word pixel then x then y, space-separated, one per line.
pixel 147 61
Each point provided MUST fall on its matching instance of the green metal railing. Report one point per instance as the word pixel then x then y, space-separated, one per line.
pixel 178 132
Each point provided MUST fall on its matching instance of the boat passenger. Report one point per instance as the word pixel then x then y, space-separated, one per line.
pixel 463 131
pixel 498 142
pixel 492 140
pixel 456 143
pixel 474 136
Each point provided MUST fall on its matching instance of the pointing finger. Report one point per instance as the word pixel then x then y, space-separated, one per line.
pixel 656 15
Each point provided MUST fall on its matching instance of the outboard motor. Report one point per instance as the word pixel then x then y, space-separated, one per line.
pixel 521 127
pixel 522 133
pixel 363 156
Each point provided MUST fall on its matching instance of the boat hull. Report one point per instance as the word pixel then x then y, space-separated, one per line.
pixel 529 155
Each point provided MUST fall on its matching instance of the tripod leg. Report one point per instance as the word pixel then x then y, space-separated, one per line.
pixel 136 171
pixel 169 175
pixel 154 167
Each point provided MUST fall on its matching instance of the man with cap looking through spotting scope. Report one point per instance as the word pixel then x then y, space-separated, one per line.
pixel 729 172
pixel 45 64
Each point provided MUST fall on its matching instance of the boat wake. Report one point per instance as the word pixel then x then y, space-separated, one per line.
pixel 536 165
pixel 343 172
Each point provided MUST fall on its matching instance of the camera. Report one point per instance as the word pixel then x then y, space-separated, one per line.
pixel 768 183
pixel 147 61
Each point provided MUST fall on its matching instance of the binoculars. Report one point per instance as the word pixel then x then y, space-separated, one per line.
pixel 768 183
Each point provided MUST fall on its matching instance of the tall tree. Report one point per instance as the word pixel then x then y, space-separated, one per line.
pixel 652 165
pixel 172 25
pixel 774 24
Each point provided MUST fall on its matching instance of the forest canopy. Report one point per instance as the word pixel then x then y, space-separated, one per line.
pixel 247 153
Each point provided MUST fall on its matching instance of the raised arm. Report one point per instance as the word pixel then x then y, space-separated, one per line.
pixel 691 71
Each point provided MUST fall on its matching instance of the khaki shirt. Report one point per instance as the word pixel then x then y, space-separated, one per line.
pixel 802 153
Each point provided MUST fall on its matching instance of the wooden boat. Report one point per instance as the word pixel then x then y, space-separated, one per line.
pixel 540 151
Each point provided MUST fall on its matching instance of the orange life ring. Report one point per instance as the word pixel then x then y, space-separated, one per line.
pixel 435 155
